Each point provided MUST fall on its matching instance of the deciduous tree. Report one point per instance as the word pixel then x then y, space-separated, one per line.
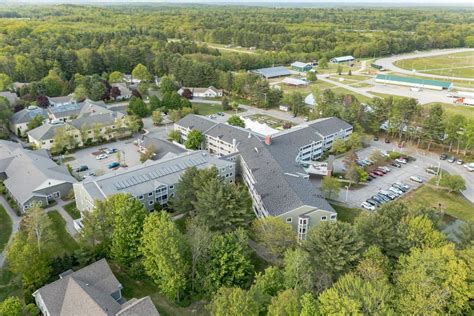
pixel 236 121
pixel 233 301
pixel 330 187
pixel 274 234
pixel 195 139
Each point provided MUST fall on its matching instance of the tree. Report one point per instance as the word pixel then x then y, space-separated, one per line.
pixel 174 136
pixel 274 97
pixel 37 225
pixel 432 281
pixel 115 92
pixel 42 101
pixel 138 107
pixel 266 285
pixel 299 272
pixel 11 306
pixel 323 63
pixel 274 234
pixel 223 206
pixel 225 104
pixel 98 227
pixel 229 261
pixel 35 122
pixel 157 117
pixel 434 127
pixel 96 91
pixel 339 70
pixel 454 183
pixel 154 103
pixel 5 82
pixel 334 247
pixel 330 187
pixel 167 85
pixel 353 174
pixel 53 84
pixel 116 77
pixel 309 305
pixel 140 72
pixel 338 146
pixel 353 295
pixel 128 217
pixel 236 121
pixel 199 237
pixel 349 73
pixel 148 154
pixel 96 131
pixel 376 156
pixel 63 139
pixel 311 76
pixel 353 141
pixel 233 301
pixel 465 234
pixel 295 100
pixel 165 254
pixel 285 303
pixel 187 94
pixel 80 93
pixel 195 139
pixel 350 159
pixel 235 106
pixel 421 234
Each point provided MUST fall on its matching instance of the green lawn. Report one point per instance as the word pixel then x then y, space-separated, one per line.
pixel 72 210
pixel 346 214
pixel 361 98
pixel 451 203
pixel 10 284
pixel 207 108
pixel 133 288
pixel 5 228
pixel 445 65
pixel 467 111
pixel 64 242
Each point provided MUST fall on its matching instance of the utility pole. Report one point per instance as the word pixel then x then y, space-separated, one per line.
pixel 439 174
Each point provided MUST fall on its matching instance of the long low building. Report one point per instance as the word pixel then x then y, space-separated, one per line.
pixel 31 176
pixel 152 182
pixel 342 59
pixel 413 82
pixel 272 166
pixel 273 72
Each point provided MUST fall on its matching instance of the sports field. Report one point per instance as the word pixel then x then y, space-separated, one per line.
pixel 456 64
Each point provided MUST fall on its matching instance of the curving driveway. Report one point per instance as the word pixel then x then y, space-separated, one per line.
pixel 387 62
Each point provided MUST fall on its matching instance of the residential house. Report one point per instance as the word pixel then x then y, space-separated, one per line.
pixel 152 182
pixel 130 80
pixel 125 92
pixel 62 100
pixel 19 120
pixel 10 96
pixel 273 166
pixel 31 176
pixel 210 92
pixel 301 67
pixel 92 290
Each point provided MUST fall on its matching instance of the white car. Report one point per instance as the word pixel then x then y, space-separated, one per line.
pixel 101 156
pixel 367 206
pixel 416 179
pixel 395 190
pixel 386 169
pixel 399 160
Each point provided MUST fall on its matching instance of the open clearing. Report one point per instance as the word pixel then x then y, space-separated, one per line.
pixel 456 65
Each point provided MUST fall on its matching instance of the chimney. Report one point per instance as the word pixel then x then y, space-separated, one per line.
pixel 268 140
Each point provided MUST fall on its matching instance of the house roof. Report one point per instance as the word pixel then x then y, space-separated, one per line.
pixel 272 72
pixel 66 110
pixel 140 307
pixel 124 90
pixel 329 125
pixel 300 64
pixel 10 96
pixel 45 131
pixel 201 90
pixel 26 115
pixel 162 147
pixel 197 122
pixel 29 171
pixel 101 118
pixel 62 99
pixel 343 58
pixel 148 176
pixel 87 291
pixel 437 83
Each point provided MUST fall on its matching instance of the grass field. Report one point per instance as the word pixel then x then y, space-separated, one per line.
pixel 5 228
pixel 360 97
pixel 72 210
pixel 207 108
pixel 10 284
pixel 451 203
pixel 64 242
pixel 457 64
pixel 346 214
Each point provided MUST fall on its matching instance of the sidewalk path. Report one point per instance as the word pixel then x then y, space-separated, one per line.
pixel 65 215
pixel 15 225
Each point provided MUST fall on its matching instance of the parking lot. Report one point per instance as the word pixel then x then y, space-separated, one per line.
pixel 356 196
pixel 128 152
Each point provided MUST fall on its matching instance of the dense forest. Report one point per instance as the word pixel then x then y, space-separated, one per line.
pixel 171 40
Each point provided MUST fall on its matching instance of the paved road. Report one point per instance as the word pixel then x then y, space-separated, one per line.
pixel 15 225
pixel 387 62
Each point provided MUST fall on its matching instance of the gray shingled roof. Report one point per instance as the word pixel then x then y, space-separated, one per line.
pixel 10 96
pixel 62 99
pixel 45 131
pixel 90 120
pixel 67 109
pixel 140 307
pixel 330 125
pixel 146 177
pixel 84 292
pixel 197 122
pixel 25 115
pixel 162 147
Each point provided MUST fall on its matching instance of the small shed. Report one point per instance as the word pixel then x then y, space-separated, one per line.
pixel 301 67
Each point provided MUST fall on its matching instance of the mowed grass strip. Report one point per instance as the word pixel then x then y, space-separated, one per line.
pixel 63 242
pixel 5 228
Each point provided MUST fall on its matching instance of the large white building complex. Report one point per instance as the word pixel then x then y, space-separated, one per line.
pixel 273 166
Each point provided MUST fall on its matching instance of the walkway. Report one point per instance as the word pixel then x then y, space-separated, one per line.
pixel 387 62
pixel 65 215
pixel 15 225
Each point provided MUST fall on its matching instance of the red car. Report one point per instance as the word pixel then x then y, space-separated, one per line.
pixel 381 170
pixel 373 174
pixel 379 173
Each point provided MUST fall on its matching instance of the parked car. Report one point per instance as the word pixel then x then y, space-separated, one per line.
pixel 373 202
pixel 443 156
pixel 382 197
pixel 220 113
pixel 469 167
pixel 379 199
pixel 376 138
pixel 396 164
pixel 112 165
pixel 460 162
pixel 400 187
pixel 110 151
pixel 389 194
pixel 401 160
pixel 387 169
pixel 396 190
pixel 101 156
pixel 387 140
pixel 382 170
pixel 416 179
pixel 367 206
pixel 373 175
pixel 378 172
pixel 432 171
pixel 403 185
pixel 451 159
pixel 82 168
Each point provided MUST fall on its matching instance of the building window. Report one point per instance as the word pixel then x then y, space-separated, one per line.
pixel 289 219
pixel 333 216
pixel 171 187
pixel 151 202
pixel 140 197
pixel 323 218
pixel 150 194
